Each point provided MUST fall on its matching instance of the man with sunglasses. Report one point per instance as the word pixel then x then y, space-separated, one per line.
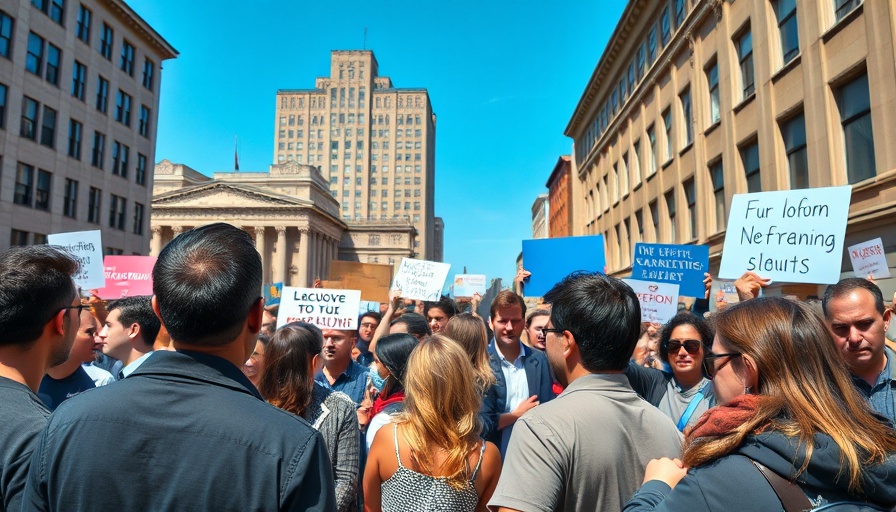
pixel 39 316
pixel 588 448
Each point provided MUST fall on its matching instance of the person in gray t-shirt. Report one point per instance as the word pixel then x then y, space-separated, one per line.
pixel 588 448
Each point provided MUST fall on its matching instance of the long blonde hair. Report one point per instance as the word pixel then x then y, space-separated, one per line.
pixel 804 385
pixel 441 408
pixel 469 331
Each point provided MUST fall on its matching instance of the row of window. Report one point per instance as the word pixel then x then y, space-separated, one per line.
pixel 384 205
pixel 18 237
pixel 33 189
pixel 123 100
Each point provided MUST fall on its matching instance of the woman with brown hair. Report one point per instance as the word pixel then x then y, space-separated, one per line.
pixel 469 331
pixel 432 458
pixel 788 415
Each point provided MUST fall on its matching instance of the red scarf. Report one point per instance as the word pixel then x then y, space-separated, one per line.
pixel 379 404
pixel 722 419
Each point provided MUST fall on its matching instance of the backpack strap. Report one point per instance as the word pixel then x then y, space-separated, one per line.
pixel 692 406
pixel 789 493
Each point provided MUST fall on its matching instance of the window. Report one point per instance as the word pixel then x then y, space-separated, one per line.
pixel 655 219
pixel 42 194
pixel 140 174
pixel 785 11
pixel 4 90
pixel 99 143
pixel 35 58
pixel 636 162
pixel 127 58
pixel 670 210
pixel 123 108
pixel 687 118
pixel 712 78
pixel 53 56
pixel 52 8
pixel 680 11
pixel 79 80
pixel 717 176
pixel 844 7
pixel 120 156
pixel 858 136
pixel 6 24
pixel 149 68
pixel 665 28
pixel 138 219
pixel 18 238
pixel 143 124
pixel 745 56
pixel 75 130
pixel 116 211
pixel 667 124
pixel 106 41
pixel 793 131
pixel 623 175
pixel 651 45
pixel 94 200
pixel 24 185
pixel 82 31
pixel 642 65
pixel 102 95
pixel 690 194
pixel 48 128
pixel 28 127
pixel 70 200
pixel 749 155
pixel 651 154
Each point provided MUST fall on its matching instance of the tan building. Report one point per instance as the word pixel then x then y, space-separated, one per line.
pixel 559 199
pixel 79 100
pixel 540 217
pixel 694 101
pixel 373 143
pixel 288 210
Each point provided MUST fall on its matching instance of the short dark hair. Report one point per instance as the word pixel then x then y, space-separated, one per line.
pixel 417 324
pixel 371 314
pixel 602 313
pixel 536 313
pixel 205 281
pixel 138 310
pixel 850 284
pixel 448 306
pixel 393 351
pixel 686 318
pixel 35 283
pixel 507 299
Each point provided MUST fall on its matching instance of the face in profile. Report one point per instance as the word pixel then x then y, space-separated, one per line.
pixel 535 331
pixel 255 364
pixel 85 339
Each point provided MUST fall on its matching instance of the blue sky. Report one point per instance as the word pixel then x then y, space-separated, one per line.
pixel 503 76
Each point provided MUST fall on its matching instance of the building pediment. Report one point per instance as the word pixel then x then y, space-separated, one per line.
pixel 225 195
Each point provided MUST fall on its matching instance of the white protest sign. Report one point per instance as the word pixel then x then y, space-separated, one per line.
pixel 420 279
pixel 659 301
pixel 466 285
pixel 327 309
pixel 869 258
pixel 791 236
pixel 87 248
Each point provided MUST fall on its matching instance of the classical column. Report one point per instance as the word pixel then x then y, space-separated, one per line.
pixel 155 246
pixel 176 230
pixel 304 235
pixel 259 246
pixel 312 256
pixel 281 254
pixel 318 256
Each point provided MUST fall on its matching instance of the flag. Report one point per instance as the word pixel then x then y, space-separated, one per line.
pixel 236 156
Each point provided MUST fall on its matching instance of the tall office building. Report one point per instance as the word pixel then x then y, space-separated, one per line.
pixel 694 101
pixel 79 100
pixel 373 143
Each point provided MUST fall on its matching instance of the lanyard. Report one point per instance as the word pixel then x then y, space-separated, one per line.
pixel 692 406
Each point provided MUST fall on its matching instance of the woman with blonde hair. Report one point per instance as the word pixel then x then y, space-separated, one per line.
pixel 788 416
pixel 432 458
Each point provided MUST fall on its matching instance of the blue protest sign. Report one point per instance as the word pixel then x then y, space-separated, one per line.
pixel 683 265
pixel 272 294
pixel 551 259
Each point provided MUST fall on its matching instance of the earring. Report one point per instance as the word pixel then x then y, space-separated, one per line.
pixel 747 390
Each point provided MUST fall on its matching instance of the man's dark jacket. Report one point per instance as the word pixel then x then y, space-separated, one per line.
pixel 185 431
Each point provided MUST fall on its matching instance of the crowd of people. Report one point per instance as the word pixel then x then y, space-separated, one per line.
pixel 194 398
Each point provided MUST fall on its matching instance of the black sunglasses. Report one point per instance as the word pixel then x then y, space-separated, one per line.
pixel 79 307
pixel 709 361
pixel 691 346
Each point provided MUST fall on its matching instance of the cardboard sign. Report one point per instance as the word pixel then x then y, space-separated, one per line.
pixel 793 236
pixel 466 285
pixel 371 279
pixel 551 259
pixel 272 293
pixel 127 276
pixel 869 258
pixel 659 301
pixel 420 279
pixel 87 248
pixel 683 265
pixel 327 309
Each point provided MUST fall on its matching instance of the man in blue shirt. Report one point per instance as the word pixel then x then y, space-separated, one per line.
pixel 340 372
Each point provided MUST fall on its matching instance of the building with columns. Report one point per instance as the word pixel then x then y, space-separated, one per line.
pixel 288 210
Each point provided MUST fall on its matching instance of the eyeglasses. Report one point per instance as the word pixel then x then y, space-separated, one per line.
pixel 691 346
pixel 79 307
pixel 709 361
pixel 558 332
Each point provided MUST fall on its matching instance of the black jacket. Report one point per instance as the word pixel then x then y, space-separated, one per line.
pixel 733 483
pixel 185 431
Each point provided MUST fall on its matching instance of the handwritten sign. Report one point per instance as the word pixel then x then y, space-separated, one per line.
pixel 466 285
pixel 127 276
pixel 327 309
pixel 551 259
pixel 683 265
pixel 659 301
pixel 272 293
pixel 420 279
pixel 793 236
pixel 87 248
pixel 869 258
